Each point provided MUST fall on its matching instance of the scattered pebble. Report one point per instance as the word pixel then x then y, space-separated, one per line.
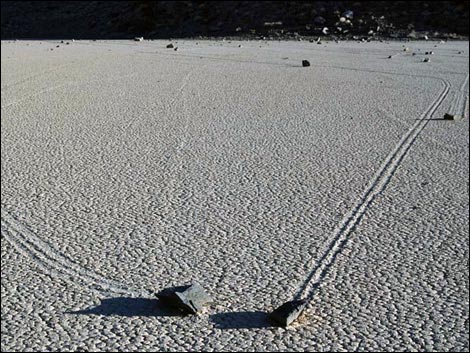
pixel 305 63
pixel 169 46
pixel 348 14
pixel 426 60
pixel 319 20
pixel 176 48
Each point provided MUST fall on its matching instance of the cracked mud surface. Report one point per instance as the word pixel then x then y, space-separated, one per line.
pixel 128 168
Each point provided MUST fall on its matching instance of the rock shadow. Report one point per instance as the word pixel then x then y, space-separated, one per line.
pixel 129 307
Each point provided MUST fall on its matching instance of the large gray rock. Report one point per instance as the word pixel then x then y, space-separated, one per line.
pixel 190 299
pixel 288 312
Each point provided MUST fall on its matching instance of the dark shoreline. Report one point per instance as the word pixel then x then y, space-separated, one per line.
pixel 291 20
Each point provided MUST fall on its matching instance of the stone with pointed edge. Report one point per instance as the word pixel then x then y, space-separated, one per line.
pixel 288 312
pixel 189 299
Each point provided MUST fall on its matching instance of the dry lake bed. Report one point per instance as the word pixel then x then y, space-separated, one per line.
pixel 128 167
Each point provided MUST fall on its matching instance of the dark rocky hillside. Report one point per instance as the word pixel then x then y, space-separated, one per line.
pixel 271 19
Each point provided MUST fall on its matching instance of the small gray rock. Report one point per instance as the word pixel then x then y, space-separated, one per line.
pixel 139 39
pixel 426 60
pixel 189 299
pixel 448 116
pixel 288 312
pixel 305 63
pixel 169 46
